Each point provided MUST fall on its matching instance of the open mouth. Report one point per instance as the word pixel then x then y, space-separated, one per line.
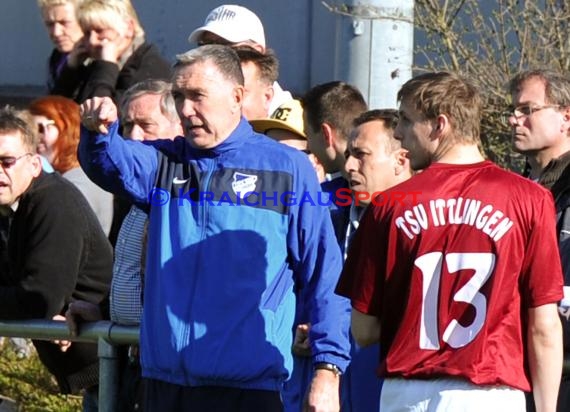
pixel 353 183
pixel 194 129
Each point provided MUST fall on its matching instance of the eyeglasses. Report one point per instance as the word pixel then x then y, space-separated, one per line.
pixel 526 110
pixel 42 127
pixel 8 161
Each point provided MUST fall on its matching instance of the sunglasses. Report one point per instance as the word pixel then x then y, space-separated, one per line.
pixel 8 161
pixel 43 126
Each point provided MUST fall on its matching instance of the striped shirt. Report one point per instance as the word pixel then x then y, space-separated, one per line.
pixel 126 287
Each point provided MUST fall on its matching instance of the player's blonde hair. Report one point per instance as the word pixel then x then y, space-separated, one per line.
pixel 432 94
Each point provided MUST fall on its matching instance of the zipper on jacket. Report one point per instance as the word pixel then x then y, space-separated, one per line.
pixel 204 207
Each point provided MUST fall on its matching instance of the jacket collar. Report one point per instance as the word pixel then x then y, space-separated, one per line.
pixel 554 170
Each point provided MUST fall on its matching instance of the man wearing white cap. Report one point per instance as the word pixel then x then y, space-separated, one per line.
pixel 260 71
pixel 234 25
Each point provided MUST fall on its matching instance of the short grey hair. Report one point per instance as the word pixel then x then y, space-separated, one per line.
pixel 556 85
pixel 223 57
pixel 152 87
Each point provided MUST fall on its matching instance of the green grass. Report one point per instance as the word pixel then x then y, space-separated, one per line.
pixel 29 383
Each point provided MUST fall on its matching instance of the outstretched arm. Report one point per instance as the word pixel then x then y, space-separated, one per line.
pixel 98 113
pixel 117 165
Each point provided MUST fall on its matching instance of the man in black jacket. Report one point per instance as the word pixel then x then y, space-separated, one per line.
pixel 56 250
pixel 60 19
pixel 540 122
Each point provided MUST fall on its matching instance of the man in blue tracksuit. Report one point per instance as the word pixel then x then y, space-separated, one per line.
pixel 237 226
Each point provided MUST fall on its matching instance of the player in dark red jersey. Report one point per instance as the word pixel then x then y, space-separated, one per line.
pixel 459 283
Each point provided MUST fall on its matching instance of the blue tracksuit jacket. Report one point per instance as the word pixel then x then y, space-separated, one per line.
pixel 222 268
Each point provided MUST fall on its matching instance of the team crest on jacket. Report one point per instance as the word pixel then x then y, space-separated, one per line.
pixel 243 184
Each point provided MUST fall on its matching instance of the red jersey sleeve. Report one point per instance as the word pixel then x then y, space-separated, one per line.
pixel 540 286
pixel 362 278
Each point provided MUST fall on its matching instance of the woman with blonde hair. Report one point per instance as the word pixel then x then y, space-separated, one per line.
pixel 119 55
pixel 57 119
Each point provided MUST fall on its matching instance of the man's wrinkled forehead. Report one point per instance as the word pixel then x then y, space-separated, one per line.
pixel 535 85
pixel 185 72
pixel 202 73
pixel 12 140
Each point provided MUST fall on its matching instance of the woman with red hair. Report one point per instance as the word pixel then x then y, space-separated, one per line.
pixel 57 119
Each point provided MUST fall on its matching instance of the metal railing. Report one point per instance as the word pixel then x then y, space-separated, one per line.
pixel 106 334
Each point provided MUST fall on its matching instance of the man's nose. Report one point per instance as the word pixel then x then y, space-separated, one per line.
pixel 56 29
pixel 350 164
pixel 137 133
pixel 187 108
pixel 512 120
pixel 92 38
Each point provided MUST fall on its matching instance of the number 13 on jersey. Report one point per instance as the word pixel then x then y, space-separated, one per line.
pixel 431 265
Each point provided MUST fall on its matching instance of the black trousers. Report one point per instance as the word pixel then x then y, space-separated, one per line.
pixel 131 393
pixel 162 396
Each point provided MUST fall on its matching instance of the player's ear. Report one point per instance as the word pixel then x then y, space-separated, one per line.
pixel 237 98
pixel 401 161
pixel 328 134
pixel 565 126
pixel 440 127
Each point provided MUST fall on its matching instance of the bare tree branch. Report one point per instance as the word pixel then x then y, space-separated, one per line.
pixel 489 42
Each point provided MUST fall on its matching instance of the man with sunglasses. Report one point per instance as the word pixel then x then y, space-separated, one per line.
pixel 540 122
pixel 56 251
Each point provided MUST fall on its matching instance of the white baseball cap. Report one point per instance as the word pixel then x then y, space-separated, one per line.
pixel 234 23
